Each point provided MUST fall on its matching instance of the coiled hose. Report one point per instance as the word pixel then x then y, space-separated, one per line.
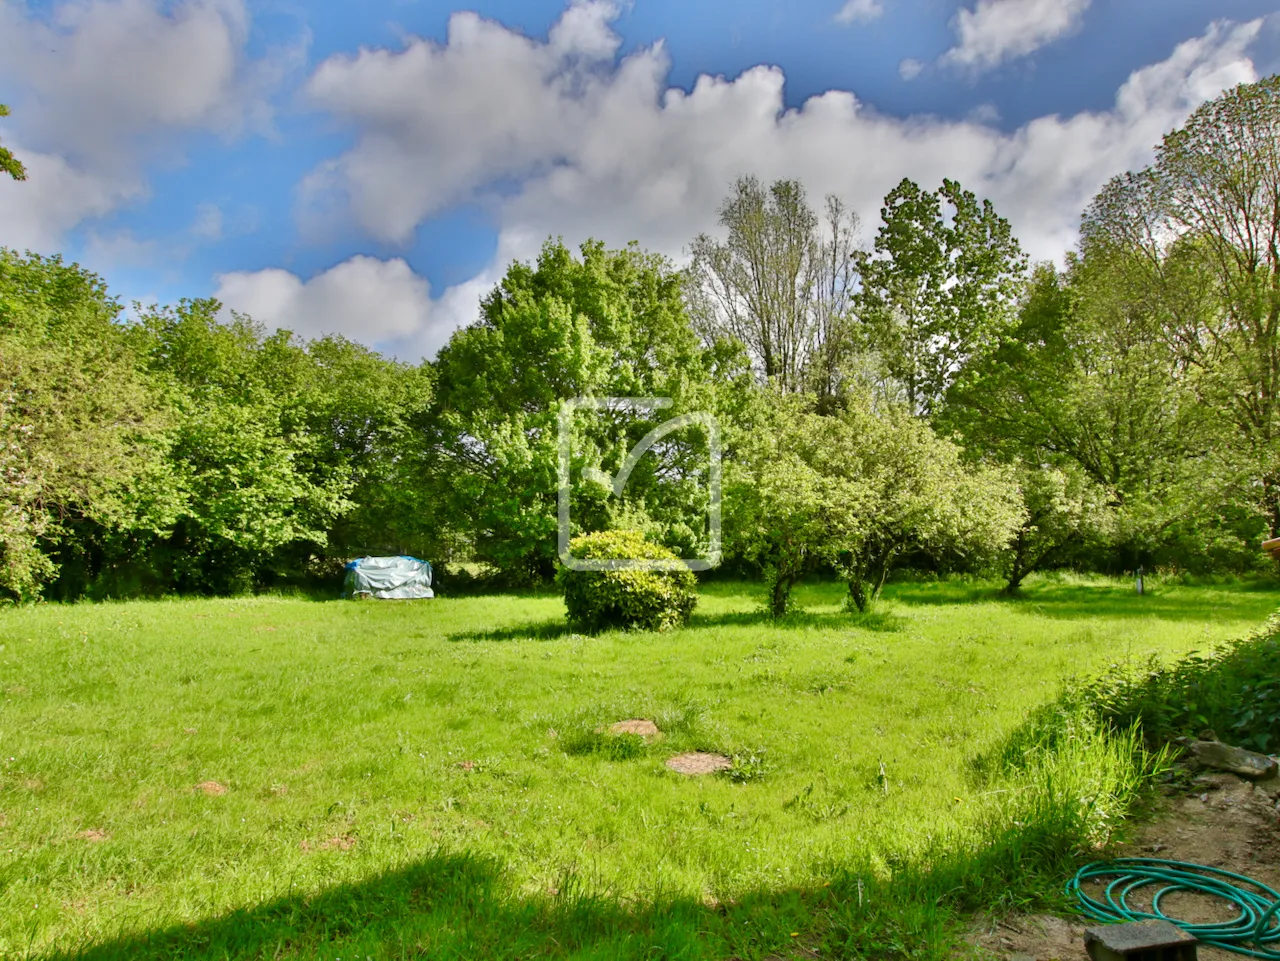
pixel 1256 927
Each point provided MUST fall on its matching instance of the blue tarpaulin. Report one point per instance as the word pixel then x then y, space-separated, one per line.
pixel 389 578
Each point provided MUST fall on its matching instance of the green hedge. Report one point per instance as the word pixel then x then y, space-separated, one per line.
pixel 628 599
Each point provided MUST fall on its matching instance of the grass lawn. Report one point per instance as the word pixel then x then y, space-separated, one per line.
pixel 287 778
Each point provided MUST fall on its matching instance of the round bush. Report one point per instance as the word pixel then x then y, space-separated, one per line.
pixel 634 599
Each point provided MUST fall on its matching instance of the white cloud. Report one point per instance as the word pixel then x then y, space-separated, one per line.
pixel 910 68
pixel 608 151
pixel 985 113
pixel 54 198
pixel 998 30
pixel 375 301
pixel 583 30
pixel 860 11
pixel 208 222
pixel 442 121
pixel 120 249
pixel 101 87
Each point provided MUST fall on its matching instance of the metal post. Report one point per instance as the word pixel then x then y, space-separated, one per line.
pixel 1139 578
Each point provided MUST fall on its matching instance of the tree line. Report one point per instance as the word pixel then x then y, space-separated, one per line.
pixel 931 400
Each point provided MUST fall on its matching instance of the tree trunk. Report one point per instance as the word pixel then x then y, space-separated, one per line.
pixel 1015 581
pixel 1020 568
pixel 1271 495
pixel 779 596
pixel 857 599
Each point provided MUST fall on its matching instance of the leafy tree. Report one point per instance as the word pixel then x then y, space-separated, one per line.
pixel 1086 382
pixel 1083 376
pixel 370 413
pixel 917 495
pixel 778 285
pixel 860 491
pixel 610 324
pixel 1200 227
pixel 938 290
pixel 778 503
pixel 79 428
pixel 256 485
pixel 8 162
pixel 1065 509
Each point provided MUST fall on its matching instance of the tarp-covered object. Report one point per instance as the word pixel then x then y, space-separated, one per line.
pixel 389 578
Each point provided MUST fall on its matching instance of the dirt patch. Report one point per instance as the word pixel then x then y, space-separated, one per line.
pixel 212 788
pixel 343 843
pixel 699 762
pixel 79 905
pixel 1039 936
pixel 1224 822
pixel 646 729
pixel 264 627
pixel 466 765
pixel 190 730
pixel 33 784
pixel 94 834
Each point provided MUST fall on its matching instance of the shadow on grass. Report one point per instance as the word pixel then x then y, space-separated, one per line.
pixel 1083 601
pixel 881 621
pixel 529 631
pixel 456 906
pixel 443 906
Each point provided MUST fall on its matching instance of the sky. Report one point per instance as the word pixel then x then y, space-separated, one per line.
pixel 371 169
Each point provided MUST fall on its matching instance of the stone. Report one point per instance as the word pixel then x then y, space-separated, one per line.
pixel 1156 940
pixel 1269 786
pixel 646 729
pixel 699 762
pixel 1237 760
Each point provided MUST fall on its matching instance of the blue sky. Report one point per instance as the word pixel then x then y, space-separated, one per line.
pixel 370 169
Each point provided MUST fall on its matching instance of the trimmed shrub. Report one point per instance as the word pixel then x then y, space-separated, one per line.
pixel 633 600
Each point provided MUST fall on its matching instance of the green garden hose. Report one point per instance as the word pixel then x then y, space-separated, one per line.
pixel 1249 934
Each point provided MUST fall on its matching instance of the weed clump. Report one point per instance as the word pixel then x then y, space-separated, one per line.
pixel 612 747
pixel 1233 689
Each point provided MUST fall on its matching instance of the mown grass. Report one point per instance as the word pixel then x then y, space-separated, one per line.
pixel 424 779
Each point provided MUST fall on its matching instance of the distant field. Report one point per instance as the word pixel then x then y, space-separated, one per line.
pixel 287 778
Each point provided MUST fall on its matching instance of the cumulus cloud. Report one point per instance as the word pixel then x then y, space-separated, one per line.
pixel 604 148
pixel 910 68
pixel 102 86
pixel 584 31
pixel 998 30
pixel 54 198
pixel 376 301
pixel 208 222
pixel 859 11
pixel 121 249
pixel 441 121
